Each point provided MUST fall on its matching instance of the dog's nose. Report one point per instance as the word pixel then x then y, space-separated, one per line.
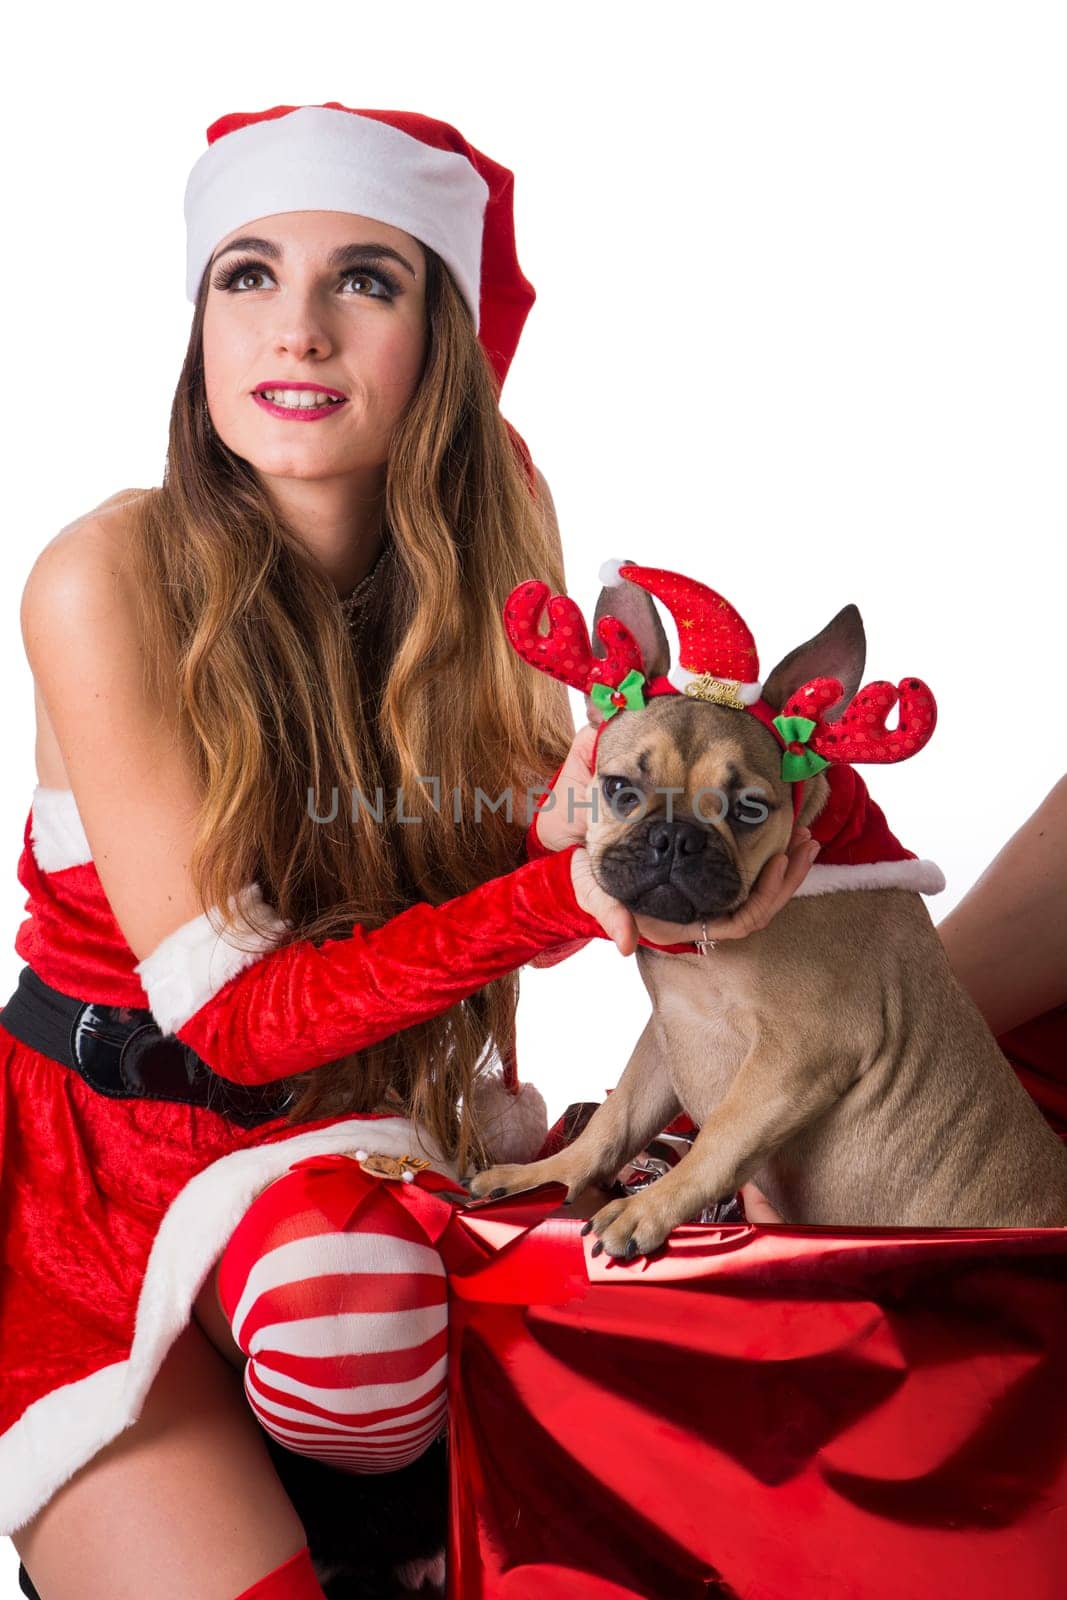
pixel 679 838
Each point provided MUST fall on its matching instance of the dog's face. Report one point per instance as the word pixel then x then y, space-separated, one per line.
pixel 689 802
pixel 689 805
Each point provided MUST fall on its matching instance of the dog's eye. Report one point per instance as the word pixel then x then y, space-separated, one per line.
pixel 620 794
pixel 749 811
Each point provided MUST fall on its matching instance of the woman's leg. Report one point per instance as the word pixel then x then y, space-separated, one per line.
pixel 183 1505
pixel 344 1324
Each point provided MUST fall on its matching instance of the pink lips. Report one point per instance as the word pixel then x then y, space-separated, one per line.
pixel 290 413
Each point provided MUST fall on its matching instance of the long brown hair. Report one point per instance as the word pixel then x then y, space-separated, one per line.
pixel 280 707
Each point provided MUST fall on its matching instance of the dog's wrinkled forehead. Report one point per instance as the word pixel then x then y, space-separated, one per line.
pixel 675 736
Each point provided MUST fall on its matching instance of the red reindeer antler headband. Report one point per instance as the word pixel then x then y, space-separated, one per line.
pixel 718 662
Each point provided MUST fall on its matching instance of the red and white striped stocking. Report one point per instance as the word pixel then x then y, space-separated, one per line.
pixel 339 1301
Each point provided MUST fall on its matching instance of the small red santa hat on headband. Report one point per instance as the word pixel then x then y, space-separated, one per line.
pixel 399 167
pixel 712 636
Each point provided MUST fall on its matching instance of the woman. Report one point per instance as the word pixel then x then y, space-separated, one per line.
pixel 1007 943
pixel 249 1056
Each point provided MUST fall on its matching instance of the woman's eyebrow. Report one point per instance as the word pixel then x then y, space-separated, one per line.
pixel 342 256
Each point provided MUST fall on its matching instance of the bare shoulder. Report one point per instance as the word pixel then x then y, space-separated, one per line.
pixel 80 620
pixel 108 526
pixel 109 724
pixel 88 560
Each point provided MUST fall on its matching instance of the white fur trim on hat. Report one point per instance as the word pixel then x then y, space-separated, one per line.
pixel 191 965
pixel 747 693
pixel 56 830
pixel 320 159
pixel 64 1429
pixel 609 572
pixel 514 1126
pixel 922 877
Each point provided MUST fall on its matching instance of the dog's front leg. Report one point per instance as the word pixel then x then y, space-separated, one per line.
pixel 633 1113
pixel 773 1096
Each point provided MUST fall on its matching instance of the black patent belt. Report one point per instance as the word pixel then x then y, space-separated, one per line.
pixel 123 1053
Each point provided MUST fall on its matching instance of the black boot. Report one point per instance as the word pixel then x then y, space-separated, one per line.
pixel 364 1528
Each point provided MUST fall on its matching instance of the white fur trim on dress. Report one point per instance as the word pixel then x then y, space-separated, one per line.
pixel 191 965
pixel 922 877
pixel 514 1126
pixel 320 159
pixel 63 1430
pixel 56 830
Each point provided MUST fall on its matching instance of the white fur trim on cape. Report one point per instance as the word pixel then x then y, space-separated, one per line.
pixel 923 877
pixel 320 159
pixel 514 1126
pixel 63 1430
pixel 191 965
pixel 56 831
pixel 748 693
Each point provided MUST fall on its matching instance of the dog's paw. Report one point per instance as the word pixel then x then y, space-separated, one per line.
pixel 631 1227
pixel 496 1182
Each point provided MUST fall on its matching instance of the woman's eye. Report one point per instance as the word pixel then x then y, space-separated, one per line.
pixel 373 277
pixel 229 277
pixel 234 277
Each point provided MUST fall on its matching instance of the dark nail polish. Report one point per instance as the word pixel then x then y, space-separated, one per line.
pixel 587 1228
pixel 595 1251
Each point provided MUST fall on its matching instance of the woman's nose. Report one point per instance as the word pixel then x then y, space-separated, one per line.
pixel 303 326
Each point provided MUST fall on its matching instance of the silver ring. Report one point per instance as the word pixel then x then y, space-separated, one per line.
pixel 704 944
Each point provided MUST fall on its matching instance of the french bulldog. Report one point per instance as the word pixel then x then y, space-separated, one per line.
pixel 832 1056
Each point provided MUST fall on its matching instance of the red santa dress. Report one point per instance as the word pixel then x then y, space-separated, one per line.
pixel 114 1210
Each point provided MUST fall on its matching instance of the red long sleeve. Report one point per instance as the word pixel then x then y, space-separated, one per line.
pixel 294 1008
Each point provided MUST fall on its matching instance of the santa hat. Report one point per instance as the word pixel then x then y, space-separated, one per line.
pixel 399 167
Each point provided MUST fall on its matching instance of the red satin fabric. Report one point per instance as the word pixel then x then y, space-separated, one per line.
pixel 765 1413
pixel 1038 1051
pixel 294 1580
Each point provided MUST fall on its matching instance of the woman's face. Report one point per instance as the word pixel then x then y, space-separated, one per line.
pixel 313 298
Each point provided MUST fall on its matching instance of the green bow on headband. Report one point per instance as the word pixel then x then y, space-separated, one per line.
pixel 799 764
pixel 632 686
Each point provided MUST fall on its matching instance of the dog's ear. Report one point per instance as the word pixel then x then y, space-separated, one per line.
pixel 839 651
pixel 635 608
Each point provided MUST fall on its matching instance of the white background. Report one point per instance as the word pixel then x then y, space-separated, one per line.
pixel 801 332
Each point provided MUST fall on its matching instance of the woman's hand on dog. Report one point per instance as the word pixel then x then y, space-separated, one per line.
pixel 616 919
pixel 779 880
pixel 575 777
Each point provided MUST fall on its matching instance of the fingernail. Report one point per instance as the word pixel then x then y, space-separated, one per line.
pixel 813 850
pixel 588 1228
